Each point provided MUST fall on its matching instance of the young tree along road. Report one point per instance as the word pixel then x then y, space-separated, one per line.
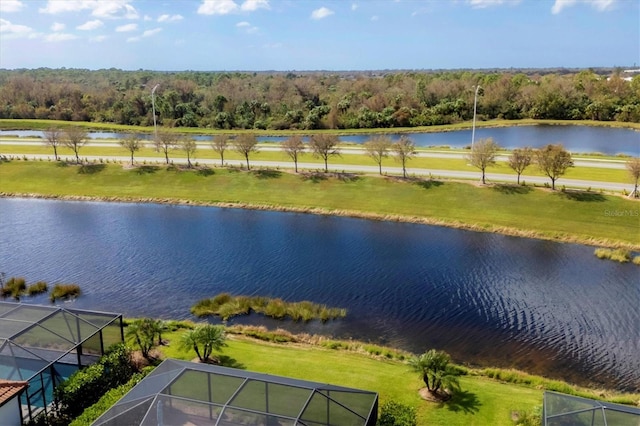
pixel 324 146
pixel 404 149
pixel 378 149
pixel 633 165
pixel 483 155
pixel 219 144
pixel 75 138
pixel 53 138
pixel 131 143
pixel 293 147
pixel 553 161
pixel 520 159
pixel 245 145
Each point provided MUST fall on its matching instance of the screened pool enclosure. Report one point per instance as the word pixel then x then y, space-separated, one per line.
pixel 44 345
pixel 185 393
pixel 560 409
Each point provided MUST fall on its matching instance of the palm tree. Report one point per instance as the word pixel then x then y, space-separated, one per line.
pixel 142 333
pixel 437 372
pixel 204 339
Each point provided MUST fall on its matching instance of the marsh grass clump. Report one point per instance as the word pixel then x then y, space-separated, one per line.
pixel 14 287
pixel 619 255
pixel 64 292
pixel 37 288
pixel 226 306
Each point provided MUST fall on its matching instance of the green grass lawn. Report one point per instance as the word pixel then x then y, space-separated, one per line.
pixel 578 216
pixel 482 401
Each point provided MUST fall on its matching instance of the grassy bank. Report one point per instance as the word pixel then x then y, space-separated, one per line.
pixel 482 401
pixel 515 210
pixel 11 124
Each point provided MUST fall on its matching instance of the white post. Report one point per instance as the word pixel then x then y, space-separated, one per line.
pixel 475 103
pixel 153 105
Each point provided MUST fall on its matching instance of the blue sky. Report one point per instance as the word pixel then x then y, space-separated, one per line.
pixel 258 35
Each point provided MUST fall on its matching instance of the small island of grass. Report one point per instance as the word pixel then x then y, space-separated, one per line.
pixel 225 306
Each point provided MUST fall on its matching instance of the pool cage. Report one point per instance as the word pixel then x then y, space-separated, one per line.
pixel 44 345
pixel 186 393
pixel 560 409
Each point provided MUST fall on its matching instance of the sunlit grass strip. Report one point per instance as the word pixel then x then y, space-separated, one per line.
pixel 225 306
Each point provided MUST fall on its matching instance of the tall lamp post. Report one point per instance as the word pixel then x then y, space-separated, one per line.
pixel 475 104
pixel 153 105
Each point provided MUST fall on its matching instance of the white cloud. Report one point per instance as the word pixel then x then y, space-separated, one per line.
pixel 98 39
pixel 149 33
pixel 133 39
pixel 354 6
pixel 480 4
pixel 217 7
pixel 170 18
pixel 247 27
pixel 99 8
pixel 8 6
pixel 9 30
pixel 126 28
pixel 321 13
pixel 90 25
pixel 600 5
pixel 253 5
pixel 56 37
pixel 57 27
pixel 147 18
pixel 375 18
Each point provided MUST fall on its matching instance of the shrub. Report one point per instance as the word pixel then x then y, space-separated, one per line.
pixel 395 414
pixel 85 386
pixel 92 413
pixel 619 255
pixel 64 291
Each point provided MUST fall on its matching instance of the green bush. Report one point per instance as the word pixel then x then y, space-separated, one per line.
pixel 395 414
pixel 92 413
pixel 86 386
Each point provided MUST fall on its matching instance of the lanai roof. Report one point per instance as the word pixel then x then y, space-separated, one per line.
pixel 180 392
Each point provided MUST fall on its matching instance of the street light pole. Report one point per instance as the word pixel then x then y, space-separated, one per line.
pixel 475 104
pixel 153 105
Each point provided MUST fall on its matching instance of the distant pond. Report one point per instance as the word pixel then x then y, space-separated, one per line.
pixel 487 299
pixel 577 139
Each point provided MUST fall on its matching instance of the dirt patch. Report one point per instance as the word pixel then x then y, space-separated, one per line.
pixel 427 395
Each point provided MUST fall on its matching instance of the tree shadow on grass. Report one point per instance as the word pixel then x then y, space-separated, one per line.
pixel 227 361
pixel 205 171
pixel 91 169
pixel 512 189
pixel 147 170
pixel 581 195
pixel 314 177
pixel 463 401
pixel 429 183
pixel 266 174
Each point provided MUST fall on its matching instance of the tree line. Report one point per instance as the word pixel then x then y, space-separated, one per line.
pixel 277 101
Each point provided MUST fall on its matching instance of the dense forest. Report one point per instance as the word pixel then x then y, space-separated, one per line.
pixel 314 100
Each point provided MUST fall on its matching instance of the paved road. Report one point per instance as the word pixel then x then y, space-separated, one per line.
pixel 448 174
pixel 578 161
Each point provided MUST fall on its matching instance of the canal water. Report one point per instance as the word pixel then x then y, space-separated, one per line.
pixel 487 299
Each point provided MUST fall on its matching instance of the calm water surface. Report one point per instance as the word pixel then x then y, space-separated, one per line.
pixel 487 299
pixel 577 139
